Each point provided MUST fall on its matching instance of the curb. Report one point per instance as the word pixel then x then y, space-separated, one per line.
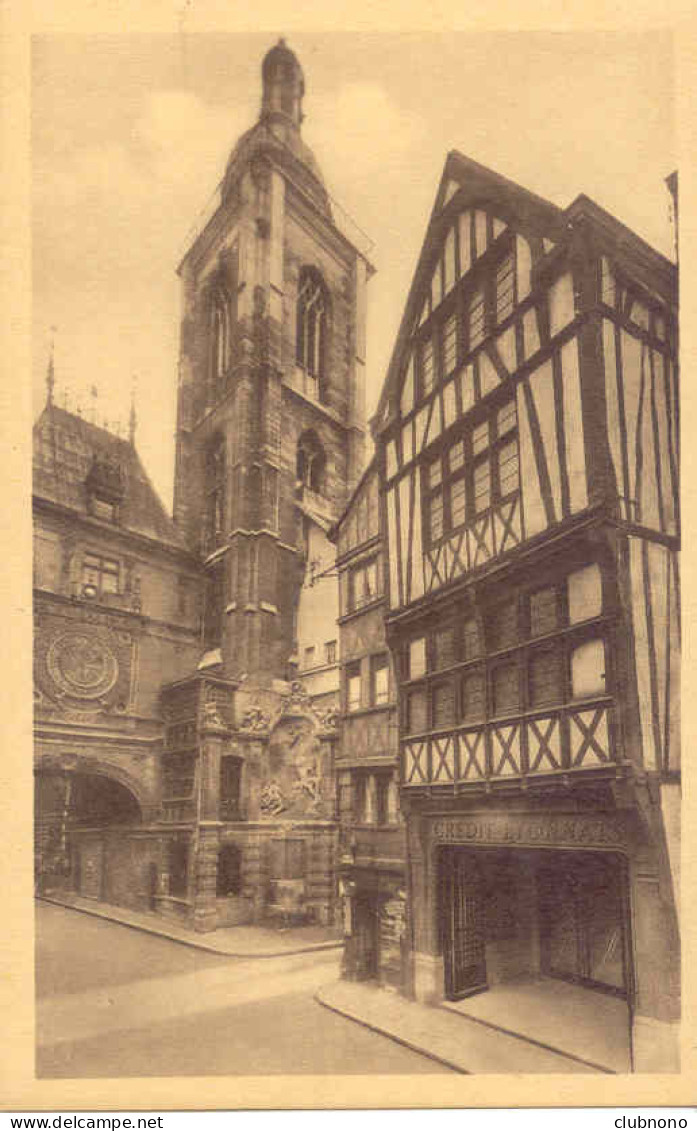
pixel 159 932
pixel 450 1064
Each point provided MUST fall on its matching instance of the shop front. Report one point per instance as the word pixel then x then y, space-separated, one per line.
pixel 512 901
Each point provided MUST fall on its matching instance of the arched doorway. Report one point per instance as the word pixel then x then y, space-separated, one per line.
pixel 73 811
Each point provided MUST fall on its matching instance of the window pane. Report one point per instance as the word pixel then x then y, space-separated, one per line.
pixel 353 686
pixel 502 626
pixel 545 679
pixel 330 652
pixel 427 375
pixel 417 657
pixel 435 474
pixel 506 419
pixel 436 516
pixel 449 261
pixel 443 648
pixel 110 583
pixel 505 688
pixel 456 456
pixel 544 611
pixel 508 468
pixel 504 289
pixel 471 639
pixel 588 669
pixel 480 437
pixel 449 344
pixel 380 681
pixel 457 503
pixel 443 705
pixel 473 702
pixel 482 487
pixel 416 712
pixel 371 580
pixel 476 320
pixel 585 593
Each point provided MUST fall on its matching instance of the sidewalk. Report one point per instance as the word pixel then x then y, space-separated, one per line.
pixel 454 1041
pixel 236 942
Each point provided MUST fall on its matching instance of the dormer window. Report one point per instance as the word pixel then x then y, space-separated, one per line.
pixel 311 329
pixel 105 485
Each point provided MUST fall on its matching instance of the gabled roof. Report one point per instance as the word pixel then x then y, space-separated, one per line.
pixel 473 183
pixel 65 448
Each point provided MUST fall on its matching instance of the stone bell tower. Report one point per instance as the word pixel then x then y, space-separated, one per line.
pixel 270 428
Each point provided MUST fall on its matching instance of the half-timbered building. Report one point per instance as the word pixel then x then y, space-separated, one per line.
pixel 527 451
pixel 372 843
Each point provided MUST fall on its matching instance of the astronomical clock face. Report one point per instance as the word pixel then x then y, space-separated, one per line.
pixel 83 666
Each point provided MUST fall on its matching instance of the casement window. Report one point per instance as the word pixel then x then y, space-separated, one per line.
pixel 415 658
pixel 416 720
pixel 505 288
pixel 533 651
pixel 473 695
pixel 545 676
pixel 505 687
pixel 443 643
pixel 502 625
pixel 371 797
pixel 309 656
pixel 353 686
pixel 100 574
pixel 379 680
pixel 363 584
pixel 443 704
pixel 476 319
pixel 449 345
pixel 476 471
pixel 471 637
pixel 428 370
pixel 311 323
pixel 545 610
pixel 330 654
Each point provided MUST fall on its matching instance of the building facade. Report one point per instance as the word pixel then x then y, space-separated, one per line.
pixel 239 712
pixel 372 841
pixel 527 453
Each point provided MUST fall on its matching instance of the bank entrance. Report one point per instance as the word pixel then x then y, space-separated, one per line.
pixel 507 915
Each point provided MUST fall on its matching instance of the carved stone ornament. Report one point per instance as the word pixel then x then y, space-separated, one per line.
pixel 271 800
pixel 254 719
pixel 82 665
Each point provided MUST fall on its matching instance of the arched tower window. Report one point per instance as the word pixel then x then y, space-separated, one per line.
pixel 215 493
pixel 220 338
pixel 310 462
pixel 312 319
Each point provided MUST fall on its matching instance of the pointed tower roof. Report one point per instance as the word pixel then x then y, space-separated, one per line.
pixel 277 132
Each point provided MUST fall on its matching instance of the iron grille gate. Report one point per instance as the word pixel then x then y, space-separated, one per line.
pixel 463 924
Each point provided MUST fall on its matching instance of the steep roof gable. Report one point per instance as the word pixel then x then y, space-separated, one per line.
pixel 494 203
pixel 66 451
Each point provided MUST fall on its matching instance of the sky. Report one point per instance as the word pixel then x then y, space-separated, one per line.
pixel 131 135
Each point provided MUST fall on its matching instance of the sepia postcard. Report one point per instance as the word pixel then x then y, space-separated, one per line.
pixel 354 468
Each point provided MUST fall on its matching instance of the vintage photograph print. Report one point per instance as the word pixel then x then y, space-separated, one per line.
pixel 356 530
